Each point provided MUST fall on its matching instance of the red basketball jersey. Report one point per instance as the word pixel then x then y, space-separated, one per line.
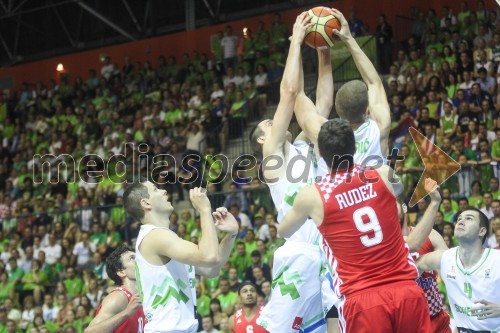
pixel 361 232
pixel 241 325
pixel 428 281
pixel 134 324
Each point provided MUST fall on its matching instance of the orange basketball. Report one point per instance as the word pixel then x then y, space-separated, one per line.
pixel 320 34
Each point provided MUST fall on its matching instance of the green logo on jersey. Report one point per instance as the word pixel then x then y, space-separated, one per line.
pixel 289 287
pixel 167 290
pixel 362 146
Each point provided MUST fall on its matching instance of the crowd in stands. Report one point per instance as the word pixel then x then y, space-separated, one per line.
pixel 57 228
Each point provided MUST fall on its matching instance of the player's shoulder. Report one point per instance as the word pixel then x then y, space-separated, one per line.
pixel 115 302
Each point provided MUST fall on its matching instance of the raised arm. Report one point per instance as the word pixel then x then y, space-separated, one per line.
pixel 288 90
pixel 418 236
pixel 168 244
pixel 309 116
pixel 225 222
pixel 377 99
pixel 115 310
pixel 325 86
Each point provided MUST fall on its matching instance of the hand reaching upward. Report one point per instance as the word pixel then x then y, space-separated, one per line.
pixel 225 221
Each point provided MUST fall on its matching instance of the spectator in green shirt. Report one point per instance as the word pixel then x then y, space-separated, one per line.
pixel 16 274
pixel 447 210
pixel 226 297
pixel 202 302
pixel 6 287
pixel 275 241
pixel 241 259
pixel 34 281
pixel 72 283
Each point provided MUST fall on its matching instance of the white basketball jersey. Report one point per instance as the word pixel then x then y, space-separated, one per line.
pixel 166 293
pixel 300 171
pixel 464 286
pixel 367 138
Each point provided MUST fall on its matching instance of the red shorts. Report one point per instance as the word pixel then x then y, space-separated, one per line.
pixel 440 323
pixel 398 307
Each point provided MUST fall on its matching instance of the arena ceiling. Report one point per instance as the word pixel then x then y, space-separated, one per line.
pixel 37 29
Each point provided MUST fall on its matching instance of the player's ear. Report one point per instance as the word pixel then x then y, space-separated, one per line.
pixel 145 204
pixel 261 139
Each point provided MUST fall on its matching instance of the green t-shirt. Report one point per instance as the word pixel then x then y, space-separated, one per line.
pixel 212 284
pixel 5 291
pixel 29 280
pixel 73 286
pixel 249 247
pixel 495 149
pixel 203 305
pixel 476 201
pixel 227 300
pixel 16 274
pixel 241 263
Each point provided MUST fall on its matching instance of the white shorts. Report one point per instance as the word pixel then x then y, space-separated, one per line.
pixel 296 297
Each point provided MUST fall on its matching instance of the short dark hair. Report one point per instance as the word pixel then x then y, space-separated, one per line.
pixel 132 200
pixel 483 221
pixel 114 264
pixel 255 134
pixel 336 139
pixel 247 283
pixel 351 101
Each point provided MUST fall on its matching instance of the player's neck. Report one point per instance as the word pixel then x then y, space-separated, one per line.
pixel 250 310
pixel 130 286
pixel 470 254
pixel 157 219
pixel 356 125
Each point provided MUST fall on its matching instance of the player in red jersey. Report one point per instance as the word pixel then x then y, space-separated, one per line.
pixel 121 310
pixel 420 245
pixel 244 320
pixel 356 212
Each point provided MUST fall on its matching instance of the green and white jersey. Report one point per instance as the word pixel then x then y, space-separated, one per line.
pixel 166 292
pixel 300 171
pixel 464 286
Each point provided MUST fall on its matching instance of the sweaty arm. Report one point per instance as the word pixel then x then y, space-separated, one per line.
pixel 307 203
pixel 115 310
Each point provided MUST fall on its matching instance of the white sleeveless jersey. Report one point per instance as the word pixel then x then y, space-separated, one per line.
pixel 166 293
pixel 300 171
pixel 464 286
pixel 367 138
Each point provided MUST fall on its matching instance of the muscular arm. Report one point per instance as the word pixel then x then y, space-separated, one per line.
pixel 418 236
pixel 430 261
pixel 225 247
pixel 377 99
pixel 307 203
pixel 113 313
pixel 325 87
pixel 230 324
pixel 437 241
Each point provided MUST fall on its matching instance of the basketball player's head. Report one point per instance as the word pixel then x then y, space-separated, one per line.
pixel 351 102
pixel 259 133
pixel 142 197
pixel 472 224
pixel 336 144
pixel 248 293
pixel 120 265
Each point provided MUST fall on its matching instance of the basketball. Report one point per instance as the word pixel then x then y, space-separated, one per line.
pixel 320 34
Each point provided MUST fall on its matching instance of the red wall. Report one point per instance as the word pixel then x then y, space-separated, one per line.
pixel 176 44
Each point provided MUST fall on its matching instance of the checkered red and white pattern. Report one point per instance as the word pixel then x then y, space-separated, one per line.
pixel 331 181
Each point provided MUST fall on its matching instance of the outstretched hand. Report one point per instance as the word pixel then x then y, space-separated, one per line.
pixel 300 27
pixel 344 32
pixel 225 221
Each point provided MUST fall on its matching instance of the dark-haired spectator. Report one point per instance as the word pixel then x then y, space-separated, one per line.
pixel 257 262
pixel 384 44
pixel 229 43
pixel 356 26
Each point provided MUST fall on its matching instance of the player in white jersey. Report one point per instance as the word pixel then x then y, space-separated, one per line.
pixel 165 263
pixel 296 301
pixel 471 274
pixel 363 104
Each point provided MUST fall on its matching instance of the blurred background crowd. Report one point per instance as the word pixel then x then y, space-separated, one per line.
pixel 59 224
